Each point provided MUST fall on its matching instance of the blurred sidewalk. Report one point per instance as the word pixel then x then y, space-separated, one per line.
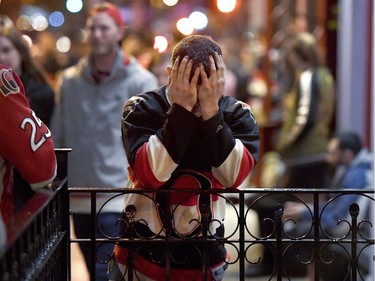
pixel 79 270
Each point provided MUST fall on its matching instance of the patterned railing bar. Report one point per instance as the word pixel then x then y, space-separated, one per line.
pixel 354 211
pixel 37 235
pixel 279 241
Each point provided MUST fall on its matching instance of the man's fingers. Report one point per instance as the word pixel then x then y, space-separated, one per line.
pixel 175 66
pixel 187 71
pixel 203 72
pixel 182 68
pixel 195 78
pixel 212 66
pixel 220 64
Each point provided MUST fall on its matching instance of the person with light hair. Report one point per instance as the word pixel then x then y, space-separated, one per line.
pixel 90 96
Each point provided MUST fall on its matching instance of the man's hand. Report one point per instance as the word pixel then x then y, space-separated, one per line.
pixel 180 89
pixel 212 88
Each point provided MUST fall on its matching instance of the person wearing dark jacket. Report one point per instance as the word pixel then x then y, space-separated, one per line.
pixel 185 134
pixel 15 53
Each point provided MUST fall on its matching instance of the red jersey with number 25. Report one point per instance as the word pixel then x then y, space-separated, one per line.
pixel 25 142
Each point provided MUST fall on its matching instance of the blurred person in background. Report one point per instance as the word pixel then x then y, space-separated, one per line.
pixel 308 109
pixel 351 163
pixel 51 59
pixel 159 68
pixel 91 95
pixel 15 52
pixel 139 45
pixel 250 85
pixel 297 158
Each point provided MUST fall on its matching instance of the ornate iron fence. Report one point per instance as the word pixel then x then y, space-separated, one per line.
pixel 347 244
pixel 37 246
pixel 38 237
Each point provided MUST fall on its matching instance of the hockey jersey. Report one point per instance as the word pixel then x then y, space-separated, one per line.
pixel 168 147
pixel 25 142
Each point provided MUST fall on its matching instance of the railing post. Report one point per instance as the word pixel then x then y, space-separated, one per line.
pixel 316 225
pixel 168 259
pixel 205 222
pixel 62 174
pixel 169 237
pixel 354 211
pixel 278 214
pixel 93 237
pixel 242 223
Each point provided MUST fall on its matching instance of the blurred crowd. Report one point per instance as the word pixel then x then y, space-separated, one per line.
pixel 258 71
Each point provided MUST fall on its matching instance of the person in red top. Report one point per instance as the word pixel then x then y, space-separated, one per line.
pixel 25 142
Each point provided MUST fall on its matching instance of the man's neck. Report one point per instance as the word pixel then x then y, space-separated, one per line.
pixel 104 63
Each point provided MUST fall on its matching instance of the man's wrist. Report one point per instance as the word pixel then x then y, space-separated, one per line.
pixel 208 113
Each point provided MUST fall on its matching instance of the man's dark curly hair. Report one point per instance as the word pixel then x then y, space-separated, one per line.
pixel 198 48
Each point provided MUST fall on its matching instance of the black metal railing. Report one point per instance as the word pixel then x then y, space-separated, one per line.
pixel 308 243
pixel 37 245
pixel 39 238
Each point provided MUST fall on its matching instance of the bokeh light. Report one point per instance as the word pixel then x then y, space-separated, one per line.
pixel 28 40
pixel 63 44
pixel 226 6
pixel 185 26
pixel 74 6
pixel 39 22
pixel 199 20
pixel 160 43
pixel 170 3
pixel 56 19
pixel 23 23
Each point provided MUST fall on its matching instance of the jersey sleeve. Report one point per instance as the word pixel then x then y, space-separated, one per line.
pixel 26 142
pixel 229 142
pixel 234 142
pixel 141 128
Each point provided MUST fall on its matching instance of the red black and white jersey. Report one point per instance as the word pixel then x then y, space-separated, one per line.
pixel 25 142
pixel 155 133
pixel 169 147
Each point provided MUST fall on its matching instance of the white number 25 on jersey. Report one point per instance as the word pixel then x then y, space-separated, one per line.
pixel 35 123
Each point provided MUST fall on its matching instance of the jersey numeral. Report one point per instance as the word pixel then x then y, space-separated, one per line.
pixel 35 123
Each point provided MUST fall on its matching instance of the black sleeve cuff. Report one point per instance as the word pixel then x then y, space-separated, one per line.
pixel 176 133
pixel 218 138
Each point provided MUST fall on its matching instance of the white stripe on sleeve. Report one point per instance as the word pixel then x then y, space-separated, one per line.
pixel 227 172
pixel 161 163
